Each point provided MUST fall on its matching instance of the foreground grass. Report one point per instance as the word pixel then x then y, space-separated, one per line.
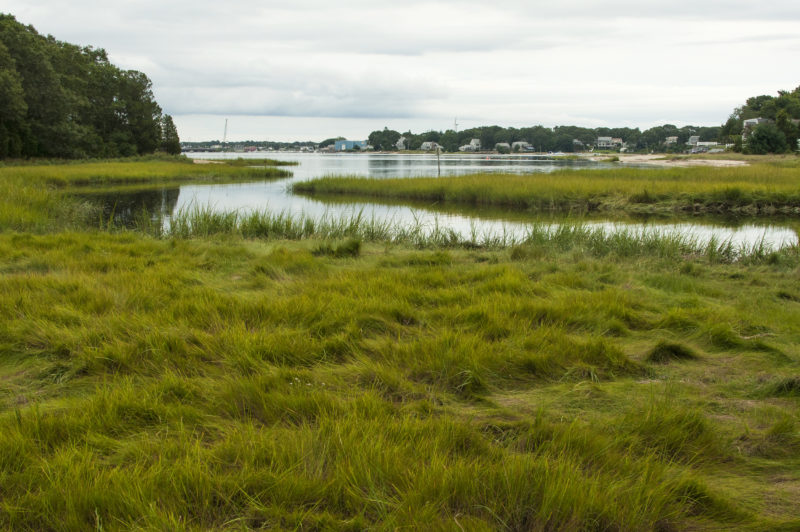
pixel 32 197
pixel 235 384
pixel 219 376
pixel 761 189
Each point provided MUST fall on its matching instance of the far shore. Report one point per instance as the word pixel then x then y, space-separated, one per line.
pixel 656 159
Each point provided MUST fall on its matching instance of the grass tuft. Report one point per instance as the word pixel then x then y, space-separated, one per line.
pixel 665 352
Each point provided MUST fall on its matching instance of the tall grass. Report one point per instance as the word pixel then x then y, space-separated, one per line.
pixel 33 197
pixel 758 189
pixel 197 221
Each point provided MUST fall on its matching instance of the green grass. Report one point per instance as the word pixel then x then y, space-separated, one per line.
pixel 217 383
pixel 761 189
pixel 242 372
pixel 240 161
pixel 35 197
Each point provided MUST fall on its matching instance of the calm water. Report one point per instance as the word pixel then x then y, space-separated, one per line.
pixel 275 196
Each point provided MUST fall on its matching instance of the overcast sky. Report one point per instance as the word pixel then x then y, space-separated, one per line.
pixel 308 69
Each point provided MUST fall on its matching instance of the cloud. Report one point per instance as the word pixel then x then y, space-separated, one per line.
pixel 575 61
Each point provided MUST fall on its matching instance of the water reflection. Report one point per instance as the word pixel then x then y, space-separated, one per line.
pixel 465 221
pixel 124 206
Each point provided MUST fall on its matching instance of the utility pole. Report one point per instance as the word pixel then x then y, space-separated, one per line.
pixel 455 124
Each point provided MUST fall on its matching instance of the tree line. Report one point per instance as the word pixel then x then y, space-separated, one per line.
pixel 544 139
pixel 63 100
pixel 777 136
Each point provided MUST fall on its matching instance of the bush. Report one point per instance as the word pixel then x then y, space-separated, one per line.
pixel 767 138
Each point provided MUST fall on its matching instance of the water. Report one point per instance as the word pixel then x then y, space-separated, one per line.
pixel 276 197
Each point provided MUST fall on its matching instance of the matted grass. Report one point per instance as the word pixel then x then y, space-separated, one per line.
pixel 235 384
pixel 269 371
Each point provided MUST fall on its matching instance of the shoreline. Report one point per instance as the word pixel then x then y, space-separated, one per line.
pixel 655 159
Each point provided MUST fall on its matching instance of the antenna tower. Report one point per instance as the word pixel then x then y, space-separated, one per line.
pixel 455 124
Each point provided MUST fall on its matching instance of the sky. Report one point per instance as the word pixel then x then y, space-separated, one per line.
pixel 312 69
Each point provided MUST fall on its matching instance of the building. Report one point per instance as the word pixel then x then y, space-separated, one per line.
pixel 521 145
pixel 502 147
pixel 474 145
pixel 693 140
pixel 401 143
pixel 347 145
pixel 750 124
pixel 608 143
pixel 429 146
pixel 669 141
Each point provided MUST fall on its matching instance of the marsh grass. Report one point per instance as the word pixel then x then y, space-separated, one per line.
pixel 241 161
pixel 208 383
pixel 37 197
pixel 201 221
pixel 253 371
pixel 762 189
pixel 664 352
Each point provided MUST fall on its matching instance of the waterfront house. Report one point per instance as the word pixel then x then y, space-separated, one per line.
pixel 750 124
pixel 348 145
pixel 474 145
pixel 608 143
pixel 429 146
pixel 520 145
pixel 670 141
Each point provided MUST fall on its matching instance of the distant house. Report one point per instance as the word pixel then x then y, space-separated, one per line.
pixel 578 145
pixel 474 145
pixel 429 146
pixel 750 124
pixel 669 141
pixel 521 145
pixel 608 143
pixel 502 147
pixel 347 145
pixel 704 144
pixel 693 140
pixel 401 143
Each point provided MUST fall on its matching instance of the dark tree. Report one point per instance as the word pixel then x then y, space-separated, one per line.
pixel 62 100
pixel 767 138
pixel 170 142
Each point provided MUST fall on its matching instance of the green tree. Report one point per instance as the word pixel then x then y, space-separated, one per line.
pixel 766 138
pixel 783 122
pixel 12 106
pixel 170 142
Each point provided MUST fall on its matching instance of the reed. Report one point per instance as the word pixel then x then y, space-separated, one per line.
pixel 758 189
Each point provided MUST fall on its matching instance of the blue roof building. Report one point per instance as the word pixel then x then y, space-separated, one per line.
pixel 345 145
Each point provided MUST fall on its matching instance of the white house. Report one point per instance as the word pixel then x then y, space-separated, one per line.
pixel 429 146
pixel 520 145
pixel 474 145
pixel 608 143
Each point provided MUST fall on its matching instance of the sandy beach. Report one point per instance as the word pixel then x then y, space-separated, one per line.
pixel 665 160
